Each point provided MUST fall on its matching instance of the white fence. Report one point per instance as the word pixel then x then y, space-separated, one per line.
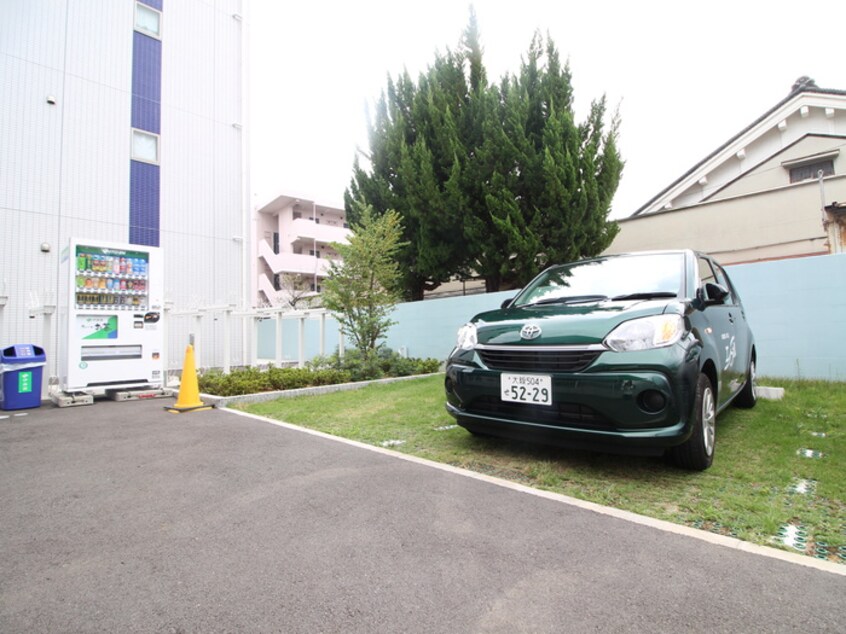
pixel 225 337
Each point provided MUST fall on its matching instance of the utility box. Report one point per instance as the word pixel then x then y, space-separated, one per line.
pixel 21 367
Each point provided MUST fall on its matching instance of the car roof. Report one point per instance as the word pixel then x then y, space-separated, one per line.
pixel 655 252
pixel 608 256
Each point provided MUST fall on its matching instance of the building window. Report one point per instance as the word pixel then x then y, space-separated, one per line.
pixel 145 146
pixel 810 171
pixel 297 215
pixel 148 21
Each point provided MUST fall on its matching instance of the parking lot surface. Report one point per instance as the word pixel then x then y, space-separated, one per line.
pixel 121 517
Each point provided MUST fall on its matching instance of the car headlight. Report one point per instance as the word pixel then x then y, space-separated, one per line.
pixel 646 333
pixel 467 337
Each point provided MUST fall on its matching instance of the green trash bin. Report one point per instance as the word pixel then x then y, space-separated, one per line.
pixel 20 376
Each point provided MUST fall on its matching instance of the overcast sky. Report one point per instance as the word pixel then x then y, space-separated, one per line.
pixel 686 76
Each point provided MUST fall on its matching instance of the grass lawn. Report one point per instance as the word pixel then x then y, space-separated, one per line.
pixel 758 485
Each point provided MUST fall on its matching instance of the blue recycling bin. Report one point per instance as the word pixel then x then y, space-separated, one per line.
pixel 20 376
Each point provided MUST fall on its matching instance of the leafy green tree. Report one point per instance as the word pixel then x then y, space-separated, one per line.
pixel 498 239
pixel 495 180
pixel 362 287
pixel 414 170
pixel 548 182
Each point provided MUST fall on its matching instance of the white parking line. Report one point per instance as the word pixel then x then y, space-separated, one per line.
pixel 628 516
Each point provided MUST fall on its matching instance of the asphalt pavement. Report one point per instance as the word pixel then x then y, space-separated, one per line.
pixel 122 517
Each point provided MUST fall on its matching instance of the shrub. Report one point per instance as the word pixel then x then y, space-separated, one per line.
pixel 253 380
pixel 295 378
pixel 325 370
pixel 386 363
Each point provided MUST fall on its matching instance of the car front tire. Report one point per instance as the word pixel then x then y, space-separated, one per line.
pixel 697 452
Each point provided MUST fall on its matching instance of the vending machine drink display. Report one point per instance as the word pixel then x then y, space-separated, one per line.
pixel 112 314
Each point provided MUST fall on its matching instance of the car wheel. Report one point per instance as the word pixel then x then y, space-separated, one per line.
pixel 697 452
pixel 747 396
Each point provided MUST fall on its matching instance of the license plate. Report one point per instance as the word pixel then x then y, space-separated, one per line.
pixel 535 389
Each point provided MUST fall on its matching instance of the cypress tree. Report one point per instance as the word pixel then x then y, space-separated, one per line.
pixel 496 180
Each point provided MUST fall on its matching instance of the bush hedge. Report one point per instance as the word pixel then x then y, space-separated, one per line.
pixel 385 363
pixel 254 380
pixel 326 370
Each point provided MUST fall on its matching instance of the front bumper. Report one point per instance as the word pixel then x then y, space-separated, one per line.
pixel 612 403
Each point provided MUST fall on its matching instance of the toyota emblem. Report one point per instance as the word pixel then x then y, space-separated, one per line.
pixel 530 331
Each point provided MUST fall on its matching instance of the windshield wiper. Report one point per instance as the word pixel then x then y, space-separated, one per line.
pixel 650 295
pixel 573 299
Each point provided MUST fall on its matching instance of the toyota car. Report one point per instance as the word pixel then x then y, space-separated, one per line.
pixel 631 353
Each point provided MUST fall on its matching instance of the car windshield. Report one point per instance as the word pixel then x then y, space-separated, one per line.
pixel 644 276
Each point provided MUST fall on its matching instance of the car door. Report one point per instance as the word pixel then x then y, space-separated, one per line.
pixel 737 318
pixel 721 318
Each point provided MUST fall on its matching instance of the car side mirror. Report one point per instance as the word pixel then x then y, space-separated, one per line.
pixel 506 303
pixel 714 294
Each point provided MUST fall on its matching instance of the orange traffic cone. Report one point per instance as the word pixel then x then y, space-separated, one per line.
pixel 189 388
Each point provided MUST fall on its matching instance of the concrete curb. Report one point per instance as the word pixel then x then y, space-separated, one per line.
pixel 770 393
pixel 224 401
pixel 628 516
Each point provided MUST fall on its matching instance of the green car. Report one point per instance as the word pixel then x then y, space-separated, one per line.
pixel 628 353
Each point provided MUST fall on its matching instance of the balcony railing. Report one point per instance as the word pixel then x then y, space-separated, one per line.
pixel 292 262
pixel 305 229
pixel 265 286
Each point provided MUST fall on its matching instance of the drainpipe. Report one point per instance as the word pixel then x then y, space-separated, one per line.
pixel 4 299
pixel 831 227
pixel 822 197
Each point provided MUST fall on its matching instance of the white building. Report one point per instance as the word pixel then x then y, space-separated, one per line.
pixel 123 121
pixel 293 247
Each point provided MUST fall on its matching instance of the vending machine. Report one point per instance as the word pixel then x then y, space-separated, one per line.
pixel 111 317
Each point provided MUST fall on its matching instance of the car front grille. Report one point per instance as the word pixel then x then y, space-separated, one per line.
pixel 560 414
pixel 526 359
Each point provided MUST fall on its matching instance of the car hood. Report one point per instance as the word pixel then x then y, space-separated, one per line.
pixel 575 324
